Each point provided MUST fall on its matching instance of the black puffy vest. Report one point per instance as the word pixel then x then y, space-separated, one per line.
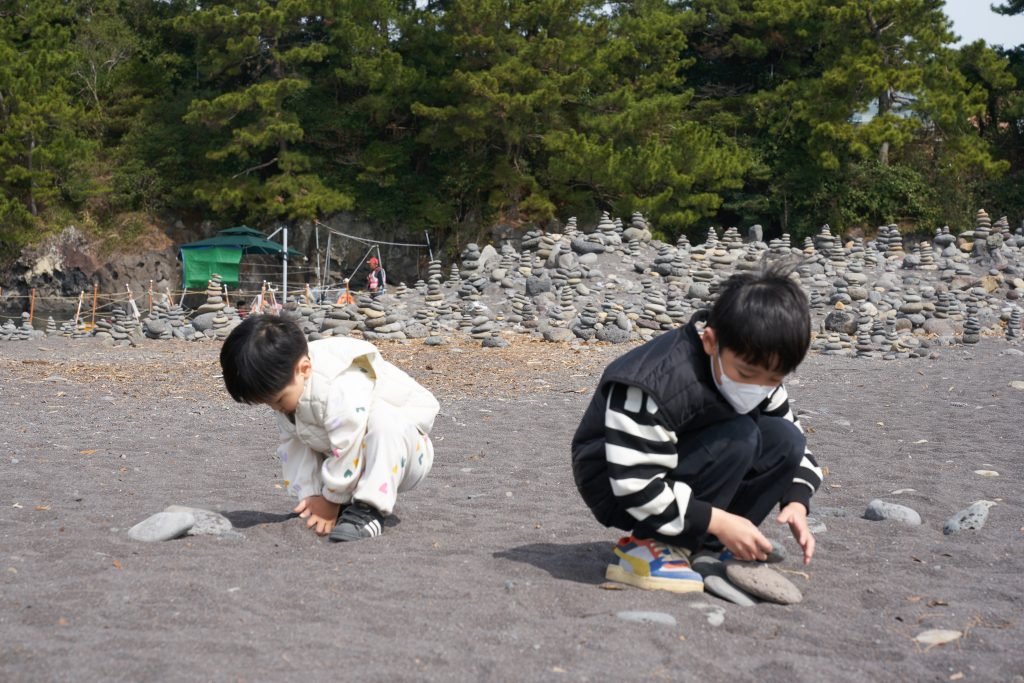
pixel 674 370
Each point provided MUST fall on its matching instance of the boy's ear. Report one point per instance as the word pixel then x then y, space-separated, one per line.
pixel 708 340
pixel 305 367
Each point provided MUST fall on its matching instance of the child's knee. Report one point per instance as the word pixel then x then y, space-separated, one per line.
pixel 744 437
pixel 784 437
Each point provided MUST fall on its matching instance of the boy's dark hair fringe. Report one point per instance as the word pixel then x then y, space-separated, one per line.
pixel 259 357
pixel 764 316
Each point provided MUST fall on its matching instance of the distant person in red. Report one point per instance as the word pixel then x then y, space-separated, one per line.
pixel 376 281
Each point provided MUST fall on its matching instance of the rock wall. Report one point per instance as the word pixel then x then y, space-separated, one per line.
pixel 70 262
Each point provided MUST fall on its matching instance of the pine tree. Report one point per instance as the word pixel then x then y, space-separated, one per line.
pixel 254 56
pixel 42 148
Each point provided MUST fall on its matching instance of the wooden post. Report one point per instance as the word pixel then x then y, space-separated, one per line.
pixel 227 301
pixel 78 312
pixel 131 300
pixel 309 296
pixel 95 294
pixel 32 306
pixel 151 297
pixel 184 291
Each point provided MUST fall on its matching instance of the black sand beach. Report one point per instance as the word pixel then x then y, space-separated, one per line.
pixel 493 568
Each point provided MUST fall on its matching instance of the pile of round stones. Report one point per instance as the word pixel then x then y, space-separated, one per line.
pixel 882 298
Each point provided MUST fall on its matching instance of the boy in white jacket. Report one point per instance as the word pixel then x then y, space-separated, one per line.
pixel 355 428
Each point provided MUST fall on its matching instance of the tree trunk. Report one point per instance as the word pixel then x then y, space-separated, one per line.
pixel 884 106
pixel 31 177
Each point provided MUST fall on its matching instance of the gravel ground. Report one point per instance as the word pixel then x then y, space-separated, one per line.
pixel 493 568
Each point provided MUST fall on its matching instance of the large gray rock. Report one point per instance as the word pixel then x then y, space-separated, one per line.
pixel 207 523
pixel 558 334
pixel 760 580
pixel 613 334
pixel 879 510
pixel 163 526
pixel 716 582
pixel 488 257
pixel 970 519
pixel 584 247
pixel 537 284
pixel 841 321
pixel 203 322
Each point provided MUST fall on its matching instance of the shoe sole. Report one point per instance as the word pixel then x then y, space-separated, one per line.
pixel 653 583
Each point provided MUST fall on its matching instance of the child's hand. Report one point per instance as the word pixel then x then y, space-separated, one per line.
pixel 795 515
pixel 739 535
pixel 320 514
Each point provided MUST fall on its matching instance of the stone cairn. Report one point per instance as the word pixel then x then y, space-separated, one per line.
pixel 571 286
pixel 1013 329
pixel 972 327
pixel 214 296
pixel 980 234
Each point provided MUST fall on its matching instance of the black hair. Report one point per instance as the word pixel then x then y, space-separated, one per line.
pixel 764 317
pixel 259 357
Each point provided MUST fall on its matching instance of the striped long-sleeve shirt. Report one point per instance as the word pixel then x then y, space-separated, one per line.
pixel 641 451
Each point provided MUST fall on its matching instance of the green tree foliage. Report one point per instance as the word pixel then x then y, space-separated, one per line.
pixel 636 143
pixel 256 55
pixel 1010 7
pixel 517 69
pixel 452 113
pixel 42 147
pixel 839 88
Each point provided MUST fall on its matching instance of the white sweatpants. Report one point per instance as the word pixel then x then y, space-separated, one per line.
pixel 397 457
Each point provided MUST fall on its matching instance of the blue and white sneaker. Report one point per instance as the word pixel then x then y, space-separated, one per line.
pixel 651 565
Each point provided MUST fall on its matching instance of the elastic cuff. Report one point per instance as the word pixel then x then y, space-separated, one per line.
pixel 698 517
pixel 797 493
pixel 337 497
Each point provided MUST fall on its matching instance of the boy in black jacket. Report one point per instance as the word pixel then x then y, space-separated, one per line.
pixel 689 441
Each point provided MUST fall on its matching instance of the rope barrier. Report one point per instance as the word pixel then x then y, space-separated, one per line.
pixel 366 240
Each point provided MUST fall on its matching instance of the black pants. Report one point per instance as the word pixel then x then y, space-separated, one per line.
pixel 742 466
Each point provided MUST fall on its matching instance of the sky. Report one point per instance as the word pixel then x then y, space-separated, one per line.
pixel 974 19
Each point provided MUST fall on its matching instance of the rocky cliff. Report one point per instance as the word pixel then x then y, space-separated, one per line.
pixel 62 266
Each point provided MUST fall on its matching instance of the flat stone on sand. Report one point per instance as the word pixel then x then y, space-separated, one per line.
pixel 207 523
pixel 659 618
pixel 879 510
pixel 760 580
pixel 163 526
pixel 970 519
pixel 716 582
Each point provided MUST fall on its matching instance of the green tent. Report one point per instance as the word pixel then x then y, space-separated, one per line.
pixel 222 254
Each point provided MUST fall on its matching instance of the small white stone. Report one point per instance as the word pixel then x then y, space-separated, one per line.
pixel 659 618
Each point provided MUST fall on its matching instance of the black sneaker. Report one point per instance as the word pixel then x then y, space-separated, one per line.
pixel 358 521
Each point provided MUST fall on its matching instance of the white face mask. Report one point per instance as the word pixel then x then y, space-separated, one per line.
pixel 742 397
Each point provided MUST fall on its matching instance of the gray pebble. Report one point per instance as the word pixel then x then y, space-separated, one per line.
pixel 659 618
pixel 970 519
pixel 878 510
pixel 777 554
pixel 816 526
pixel 162 526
